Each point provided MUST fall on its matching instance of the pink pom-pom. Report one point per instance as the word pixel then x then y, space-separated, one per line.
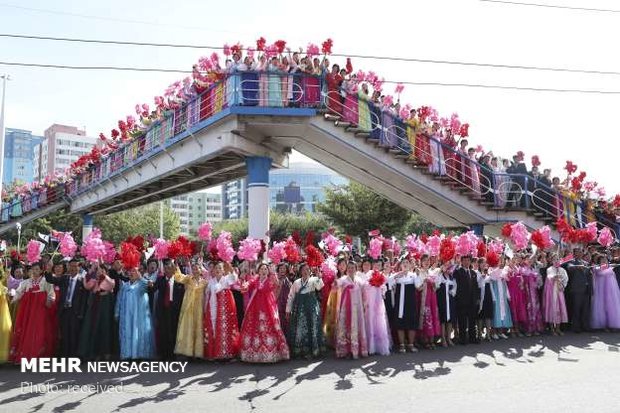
pixel 109 254
pixel 226 50
pixel 496 246
pixel 161 247
pixel 399 89
pixel 205 231
pixel 312 50
pixel 67 246
pixel 463 245
pixel 225 251
pixel 249 249
pixel 605 237
pixel 433 244
pixel 388 100
pixel 396 247
pixel 276 253
pixel 93 248
pixel 519 236
pixel 329 268
pixel 376 245
pixel 333 244
pixel 33 251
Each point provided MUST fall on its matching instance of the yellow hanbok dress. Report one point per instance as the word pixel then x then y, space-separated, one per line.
pixel 5 324
pixel 190 333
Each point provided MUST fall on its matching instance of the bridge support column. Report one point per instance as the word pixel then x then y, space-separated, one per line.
pixel 87 227
pixel 258 196
pixel 478 229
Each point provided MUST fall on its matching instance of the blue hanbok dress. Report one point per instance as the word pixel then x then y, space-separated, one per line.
pixel 274 94
pixel 501 307
pixel 134 319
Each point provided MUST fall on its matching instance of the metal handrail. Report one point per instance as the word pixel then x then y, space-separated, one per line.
pixel 234 90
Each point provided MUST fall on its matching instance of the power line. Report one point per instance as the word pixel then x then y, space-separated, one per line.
pixel 113 19
pixel 551 6
pixel 468 85
pixel 357 56
pixel 116 68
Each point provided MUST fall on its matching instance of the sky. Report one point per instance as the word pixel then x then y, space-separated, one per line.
pixel 555 126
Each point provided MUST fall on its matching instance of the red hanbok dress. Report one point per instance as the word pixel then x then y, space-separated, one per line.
pixel 262 339
pixel 220 321
pixel 35 332
pixel 426 299
pixel 423 149
pixel 334 100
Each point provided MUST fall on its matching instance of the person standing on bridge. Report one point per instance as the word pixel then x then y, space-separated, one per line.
pixel 334 100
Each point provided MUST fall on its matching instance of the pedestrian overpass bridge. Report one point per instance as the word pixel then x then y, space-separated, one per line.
pixel 209 141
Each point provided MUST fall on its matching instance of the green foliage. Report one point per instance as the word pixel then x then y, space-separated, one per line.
pixel 142 220
pixel 60 221
pixel 114 227
pixel 356 210
pixel 281 226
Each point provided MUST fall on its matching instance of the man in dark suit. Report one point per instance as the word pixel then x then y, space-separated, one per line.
pixel 168 307
pixel 71 305
pixel 579 289
pixel 467 301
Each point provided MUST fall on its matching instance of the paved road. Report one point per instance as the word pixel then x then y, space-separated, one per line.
pixel 574 373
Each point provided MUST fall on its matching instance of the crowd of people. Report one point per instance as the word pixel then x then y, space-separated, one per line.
pixel 216 303
pixel 274 75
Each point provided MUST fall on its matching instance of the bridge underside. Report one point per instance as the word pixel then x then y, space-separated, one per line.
pixel 215 171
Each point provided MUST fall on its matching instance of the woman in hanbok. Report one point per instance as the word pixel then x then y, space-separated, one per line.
pixel 516 289
pixel 310 83
pixel 262 340
pixel 502 319
pixel 240 289
pixel 96 337
pixel 474 170
pixel 333 81
pixel 136 333
pixel 446 302
pixel 554 303
pixel 34 335
pixel 533 282
pixel 351 106
pixel 332 303
pixel 437 165
pixel 606 297
pixel 363 109
pixel 233 80
pixel 388 134
pixel 377 327
pixel 429 324
pixel 274 94
pixel 220 321
pixel 16 277
pixel 190 333
pixel 405 283
pixel 263 80
pixel 499 182
pixel 6 324
pixel 305 334
pixel 282 293
pixel 350 326
pixel 485 309
pixel 249 82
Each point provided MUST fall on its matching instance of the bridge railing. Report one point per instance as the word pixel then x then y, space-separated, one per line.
pixel 297 90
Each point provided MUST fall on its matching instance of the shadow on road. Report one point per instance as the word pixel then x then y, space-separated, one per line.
pixel 215 377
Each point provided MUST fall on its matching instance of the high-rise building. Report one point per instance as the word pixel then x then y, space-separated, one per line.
pixel 203 207
pixel 296 189
pixel 196 208
pixel 62 146
pixel 19 148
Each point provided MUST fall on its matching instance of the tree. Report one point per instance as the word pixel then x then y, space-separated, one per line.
pixel 142 220
pixel 60 220
pixel 356 210
pixel 114 227
pixel 281 225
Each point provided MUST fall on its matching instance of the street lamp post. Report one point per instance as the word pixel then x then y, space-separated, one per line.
pixel 4 79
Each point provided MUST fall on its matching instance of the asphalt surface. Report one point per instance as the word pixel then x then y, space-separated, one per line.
pixel 573 373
